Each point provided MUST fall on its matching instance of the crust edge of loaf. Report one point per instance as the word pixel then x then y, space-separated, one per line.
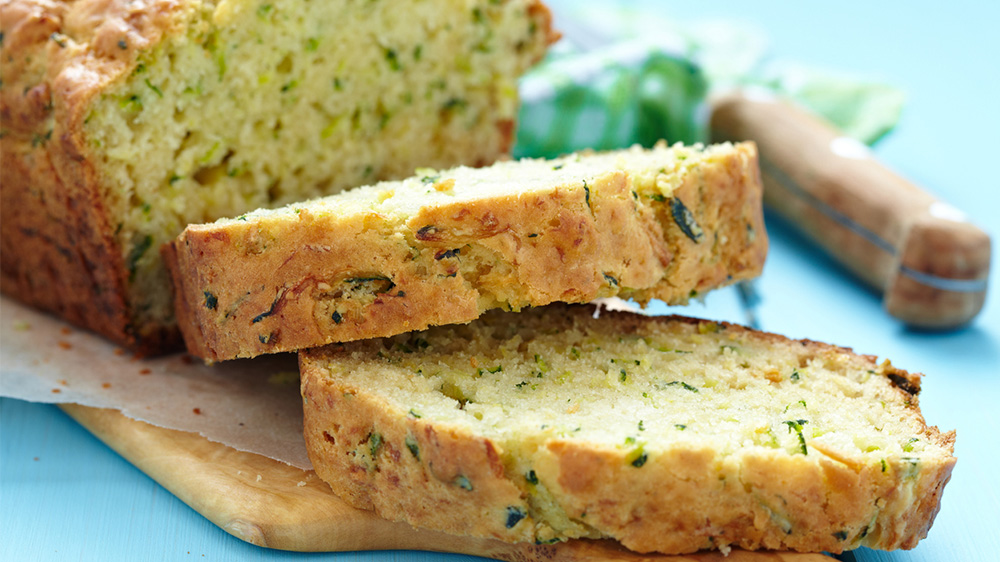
pixel 73 247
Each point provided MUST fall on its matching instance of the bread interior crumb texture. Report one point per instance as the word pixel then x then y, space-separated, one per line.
pixel 255 104
pixel 654 174
pixel 521 382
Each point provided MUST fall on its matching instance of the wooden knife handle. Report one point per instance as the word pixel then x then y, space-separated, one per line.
pixel 929 262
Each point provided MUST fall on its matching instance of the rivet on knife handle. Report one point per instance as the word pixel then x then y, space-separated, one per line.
pixel 931 264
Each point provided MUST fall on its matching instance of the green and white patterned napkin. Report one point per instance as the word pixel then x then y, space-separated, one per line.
pixel 643 78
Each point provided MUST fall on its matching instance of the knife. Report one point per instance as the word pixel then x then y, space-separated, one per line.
pixel 930 263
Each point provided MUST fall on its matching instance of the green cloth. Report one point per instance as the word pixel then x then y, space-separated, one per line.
pixel 648 79
pixel 590 100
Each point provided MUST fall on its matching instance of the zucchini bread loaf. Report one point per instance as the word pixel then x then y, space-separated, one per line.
pixel 668 434
pixel 125 121
pixel 443 247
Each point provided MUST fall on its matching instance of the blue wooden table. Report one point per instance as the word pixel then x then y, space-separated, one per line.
pixel 65 496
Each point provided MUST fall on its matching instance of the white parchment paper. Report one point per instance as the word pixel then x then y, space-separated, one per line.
pixel 252 405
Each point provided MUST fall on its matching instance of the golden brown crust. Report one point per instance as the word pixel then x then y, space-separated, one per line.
pixel 687 498
pixel 571 243
pixel 733 207
pixel 432 488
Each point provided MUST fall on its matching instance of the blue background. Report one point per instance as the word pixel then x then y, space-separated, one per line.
pixel 65 496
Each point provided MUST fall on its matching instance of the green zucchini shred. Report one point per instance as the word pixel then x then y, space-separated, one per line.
pixel 796 425
pixel 374 443
pixel 685 220
pixel 412 445
pixel 638 457
pixel 514 516
pixel 211 302
pixel 136 254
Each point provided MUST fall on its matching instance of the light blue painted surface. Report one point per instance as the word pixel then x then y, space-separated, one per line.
pixel 80 501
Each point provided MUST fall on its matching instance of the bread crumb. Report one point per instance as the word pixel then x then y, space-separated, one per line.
pixel 106 385
pixel 446 186
pixel 65 344
pixel 65 331
pixel 197 411
pixel 145 371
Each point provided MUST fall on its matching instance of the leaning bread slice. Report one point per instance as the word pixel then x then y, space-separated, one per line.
pixel 668 434
pixel 443 247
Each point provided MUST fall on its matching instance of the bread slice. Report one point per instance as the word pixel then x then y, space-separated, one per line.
pixel 443 247
pixel 125 121
pixel 668 434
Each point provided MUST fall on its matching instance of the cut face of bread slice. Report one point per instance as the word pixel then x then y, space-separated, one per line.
pixel 443 247
pixel 126 121
pixel 668 434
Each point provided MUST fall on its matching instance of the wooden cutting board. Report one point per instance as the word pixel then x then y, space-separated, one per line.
pixel 271 504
